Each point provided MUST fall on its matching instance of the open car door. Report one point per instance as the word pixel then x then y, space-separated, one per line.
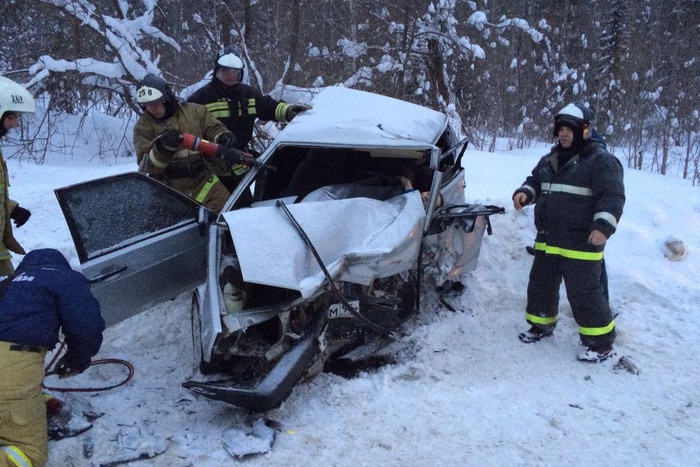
pixel 139 242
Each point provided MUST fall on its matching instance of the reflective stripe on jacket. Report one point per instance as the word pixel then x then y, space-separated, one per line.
pixel 238 107
pixel 586 194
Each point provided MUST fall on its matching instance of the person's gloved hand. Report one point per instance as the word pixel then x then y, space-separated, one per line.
pixel 169 141
pixel 231 156
pixel 227 139
pixel 294 109
pixel 65 370
pixel 20 216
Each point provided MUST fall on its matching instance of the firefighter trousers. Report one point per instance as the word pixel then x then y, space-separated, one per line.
pixel 23 425
pixel 583 290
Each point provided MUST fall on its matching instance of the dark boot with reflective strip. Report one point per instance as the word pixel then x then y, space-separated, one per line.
pixel 534 334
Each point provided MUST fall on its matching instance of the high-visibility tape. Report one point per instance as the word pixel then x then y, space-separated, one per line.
pixel 16 456
pixel 201 196
pixel 571 254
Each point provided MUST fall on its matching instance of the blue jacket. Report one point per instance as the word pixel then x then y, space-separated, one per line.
pixel 47 295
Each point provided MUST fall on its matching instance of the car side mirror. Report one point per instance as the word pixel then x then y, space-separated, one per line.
pixel 205 218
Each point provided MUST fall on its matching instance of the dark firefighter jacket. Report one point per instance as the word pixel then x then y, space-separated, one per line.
pixel 238 106
pixel 586 194
pixel 45 295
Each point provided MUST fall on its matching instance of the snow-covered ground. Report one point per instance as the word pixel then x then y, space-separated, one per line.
pixel 464 390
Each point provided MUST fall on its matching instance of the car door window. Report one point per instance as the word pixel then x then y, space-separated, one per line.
pixel 108 214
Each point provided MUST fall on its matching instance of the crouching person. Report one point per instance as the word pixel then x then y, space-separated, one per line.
pixel 43 296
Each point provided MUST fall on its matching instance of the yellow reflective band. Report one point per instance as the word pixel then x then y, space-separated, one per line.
pixel 155 161
pixel 281 112
pixel 596 331
pixel 571 254
pixel 5 254
pixel 219 109
pixel 16 456
pixel 206 189
pixel 562 188
pixel 239 169
pixel 540 319
pixel 219 114
pixel 252 110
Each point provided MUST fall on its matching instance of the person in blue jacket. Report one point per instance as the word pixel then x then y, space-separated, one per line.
pixel 43 297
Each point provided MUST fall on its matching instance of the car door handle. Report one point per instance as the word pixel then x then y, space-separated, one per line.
pixel 106 273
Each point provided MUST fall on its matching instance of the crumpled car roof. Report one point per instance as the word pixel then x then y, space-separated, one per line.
pixel 343 117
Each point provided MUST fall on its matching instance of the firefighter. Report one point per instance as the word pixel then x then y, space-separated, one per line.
pixel 579 195
pixel 237 105
pixel 14 101
pixel 157 137
pixel 44 296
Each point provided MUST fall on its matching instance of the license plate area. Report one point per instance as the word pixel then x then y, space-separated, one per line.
pixel 337 310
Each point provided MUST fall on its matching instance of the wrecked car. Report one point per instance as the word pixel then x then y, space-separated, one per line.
pixel 332 251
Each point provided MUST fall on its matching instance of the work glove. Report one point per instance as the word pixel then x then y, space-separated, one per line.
pixel 168 141
pixel 294 109
pixel 231 156
pixel 227 139
pixel 20 216
pixel 65 370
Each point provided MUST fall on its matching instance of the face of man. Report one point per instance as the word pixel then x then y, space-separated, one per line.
pixel 566 137
pixel 228 76
pixel 157 109
pixel 10 121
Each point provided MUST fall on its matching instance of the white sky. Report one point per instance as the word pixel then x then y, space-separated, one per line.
pixel 465 390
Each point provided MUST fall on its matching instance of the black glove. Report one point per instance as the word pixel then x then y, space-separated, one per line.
pixel 65 370
pixel 20 216
pixel 294 109
pixel 231 156
pixel 169 141
pixel 227 139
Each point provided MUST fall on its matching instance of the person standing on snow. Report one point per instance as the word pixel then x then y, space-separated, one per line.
pixel 43 297
pixel 579 195
pixel 237 105
pixel 157 138
pixel 14 100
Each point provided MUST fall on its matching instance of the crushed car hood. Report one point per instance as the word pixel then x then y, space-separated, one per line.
pixel 358 239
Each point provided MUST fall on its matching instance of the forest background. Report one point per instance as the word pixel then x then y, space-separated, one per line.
pixel 500 68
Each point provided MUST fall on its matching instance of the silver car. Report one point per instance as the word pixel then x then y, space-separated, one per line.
pixel 355 202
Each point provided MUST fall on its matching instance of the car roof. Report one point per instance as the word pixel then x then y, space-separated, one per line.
pixel 343 117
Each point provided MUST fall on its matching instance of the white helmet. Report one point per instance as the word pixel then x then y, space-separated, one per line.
pixel 229 58
pixel 15 98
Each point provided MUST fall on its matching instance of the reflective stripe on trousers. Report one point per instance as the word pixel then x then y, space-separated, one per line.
pixel 202 195
pixel 581 273
pixel 16 456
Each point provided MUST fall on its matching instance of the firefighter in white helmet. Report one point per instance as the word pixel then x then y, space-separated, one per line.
pixel 15 100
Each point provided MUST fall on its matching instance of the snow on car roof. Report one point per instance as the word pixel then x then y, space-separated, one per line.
pixel 343 117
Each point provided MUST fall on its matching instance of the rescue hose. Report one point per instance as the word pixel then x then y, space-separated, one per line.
pixel 348 307
pixel 49 371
